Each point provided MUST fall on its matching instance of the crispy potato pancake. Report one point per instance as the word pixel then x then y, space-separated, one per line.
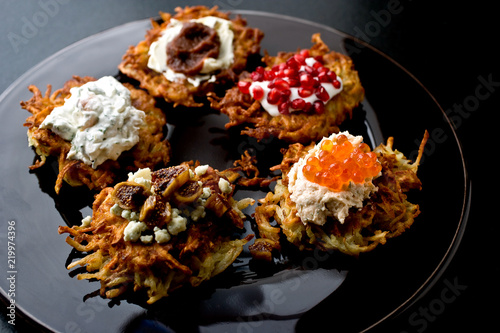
pixel 152 149
pixel 246 42
pixel 166 203
pixel 386 214
pixel 300 127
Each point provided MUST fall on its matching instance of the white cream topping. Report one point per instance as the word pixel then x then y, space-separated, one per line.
pixel 315 202
pixel 99 120
pixel 158 50
pixel 272 109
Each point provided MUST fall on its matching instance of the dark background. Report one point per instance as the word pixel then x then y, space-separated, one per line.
pixel 450 47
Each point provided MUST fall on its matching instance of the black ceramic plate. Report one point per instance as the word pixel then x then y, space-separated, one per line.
pixel 300 291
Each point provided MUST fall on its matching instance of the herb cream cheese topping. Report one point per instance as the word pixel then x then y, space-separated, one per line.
pixel 99 121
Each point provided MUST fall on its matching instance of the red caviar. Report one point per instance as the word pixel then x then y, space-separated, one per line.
pixel 340 162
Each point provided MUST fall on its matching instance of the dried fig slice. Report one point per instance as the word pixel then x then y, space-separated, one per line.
pixel 155 212
pixel 188 193
pixel 130 195
pixel 167 181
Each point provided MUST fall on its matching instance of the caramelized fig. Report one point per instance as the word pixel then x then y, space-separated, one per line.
pixel 155 212
pixel 167 181
pixel 188 193
pixel 129 195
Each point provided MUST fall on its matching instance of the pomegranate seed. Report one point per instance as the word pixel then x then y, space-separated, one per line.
pixel 280 73
pixel 319 58
pixel 258 93
pixel 268 75
pixel 311 70
pixel 260 69
pixel 317 65
pixel 284 108
pixel 244 86
pixel 256 76
pixel 319 107
pixel 323 69
pixel 294 82
pixel 285 95
pixel 323 77
pixel 281 84
pixel 275 68
pixel 303 92
pixel 292 63
pixel 290 72
pixel 298 104
pixel 304 53
pixel 306 80
pixel 308 107
pixel 322 94
pixel 273 96
pixel 300 58
pixel 336 84
pixel 332 75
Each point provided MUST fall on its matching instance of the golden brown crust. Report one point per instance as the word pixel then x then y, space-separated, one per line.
pixel 386 214
pixel 190 257
pixel 134 63
pixel 295 127
pixel 151 150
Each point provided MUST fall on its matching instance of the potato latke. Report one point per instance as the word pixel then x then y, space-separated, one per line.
pixel 246 43
pixel 386 214
pixel 198 250
pixel 152 149
pixel 301 127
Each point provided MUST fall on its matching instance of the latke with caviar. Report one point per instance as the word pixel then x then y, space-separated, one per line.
pixel 338 195
pixel 190 54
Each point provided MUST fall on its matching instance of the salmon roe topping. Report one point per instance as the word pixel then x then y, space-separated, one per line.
pixel 340 162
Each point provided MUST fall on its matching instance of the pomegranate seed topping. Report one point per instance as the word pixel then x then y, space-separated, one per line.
pixel 304 53
pixel 281 84
pixel 300 58
pixel 268 75
pixel 256 76
pixel 317 65
pixel 323 77
pixel 285 95
pixel 319 58
pixel 294 82
pixel 303 92
pixel 260 69
pixel 274 95
pixel 258 92
pixel 298 104
pixel 275 68
pixel 332 75
pixel 244 86
pixel 336 84
pixel 290 72
pixel 306 80
pixel 292 63
pixel 319 107
pixel 308 107
pixel 284 108
pixel 322 94
pixel 311 70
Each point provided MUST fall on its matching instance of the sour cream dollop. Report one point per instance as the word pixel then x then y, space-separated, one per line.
pixel 158 50
pixel 99 121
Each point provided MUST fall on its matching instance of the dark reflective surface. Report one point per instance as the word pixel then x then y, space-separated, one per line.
pixel 301 290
